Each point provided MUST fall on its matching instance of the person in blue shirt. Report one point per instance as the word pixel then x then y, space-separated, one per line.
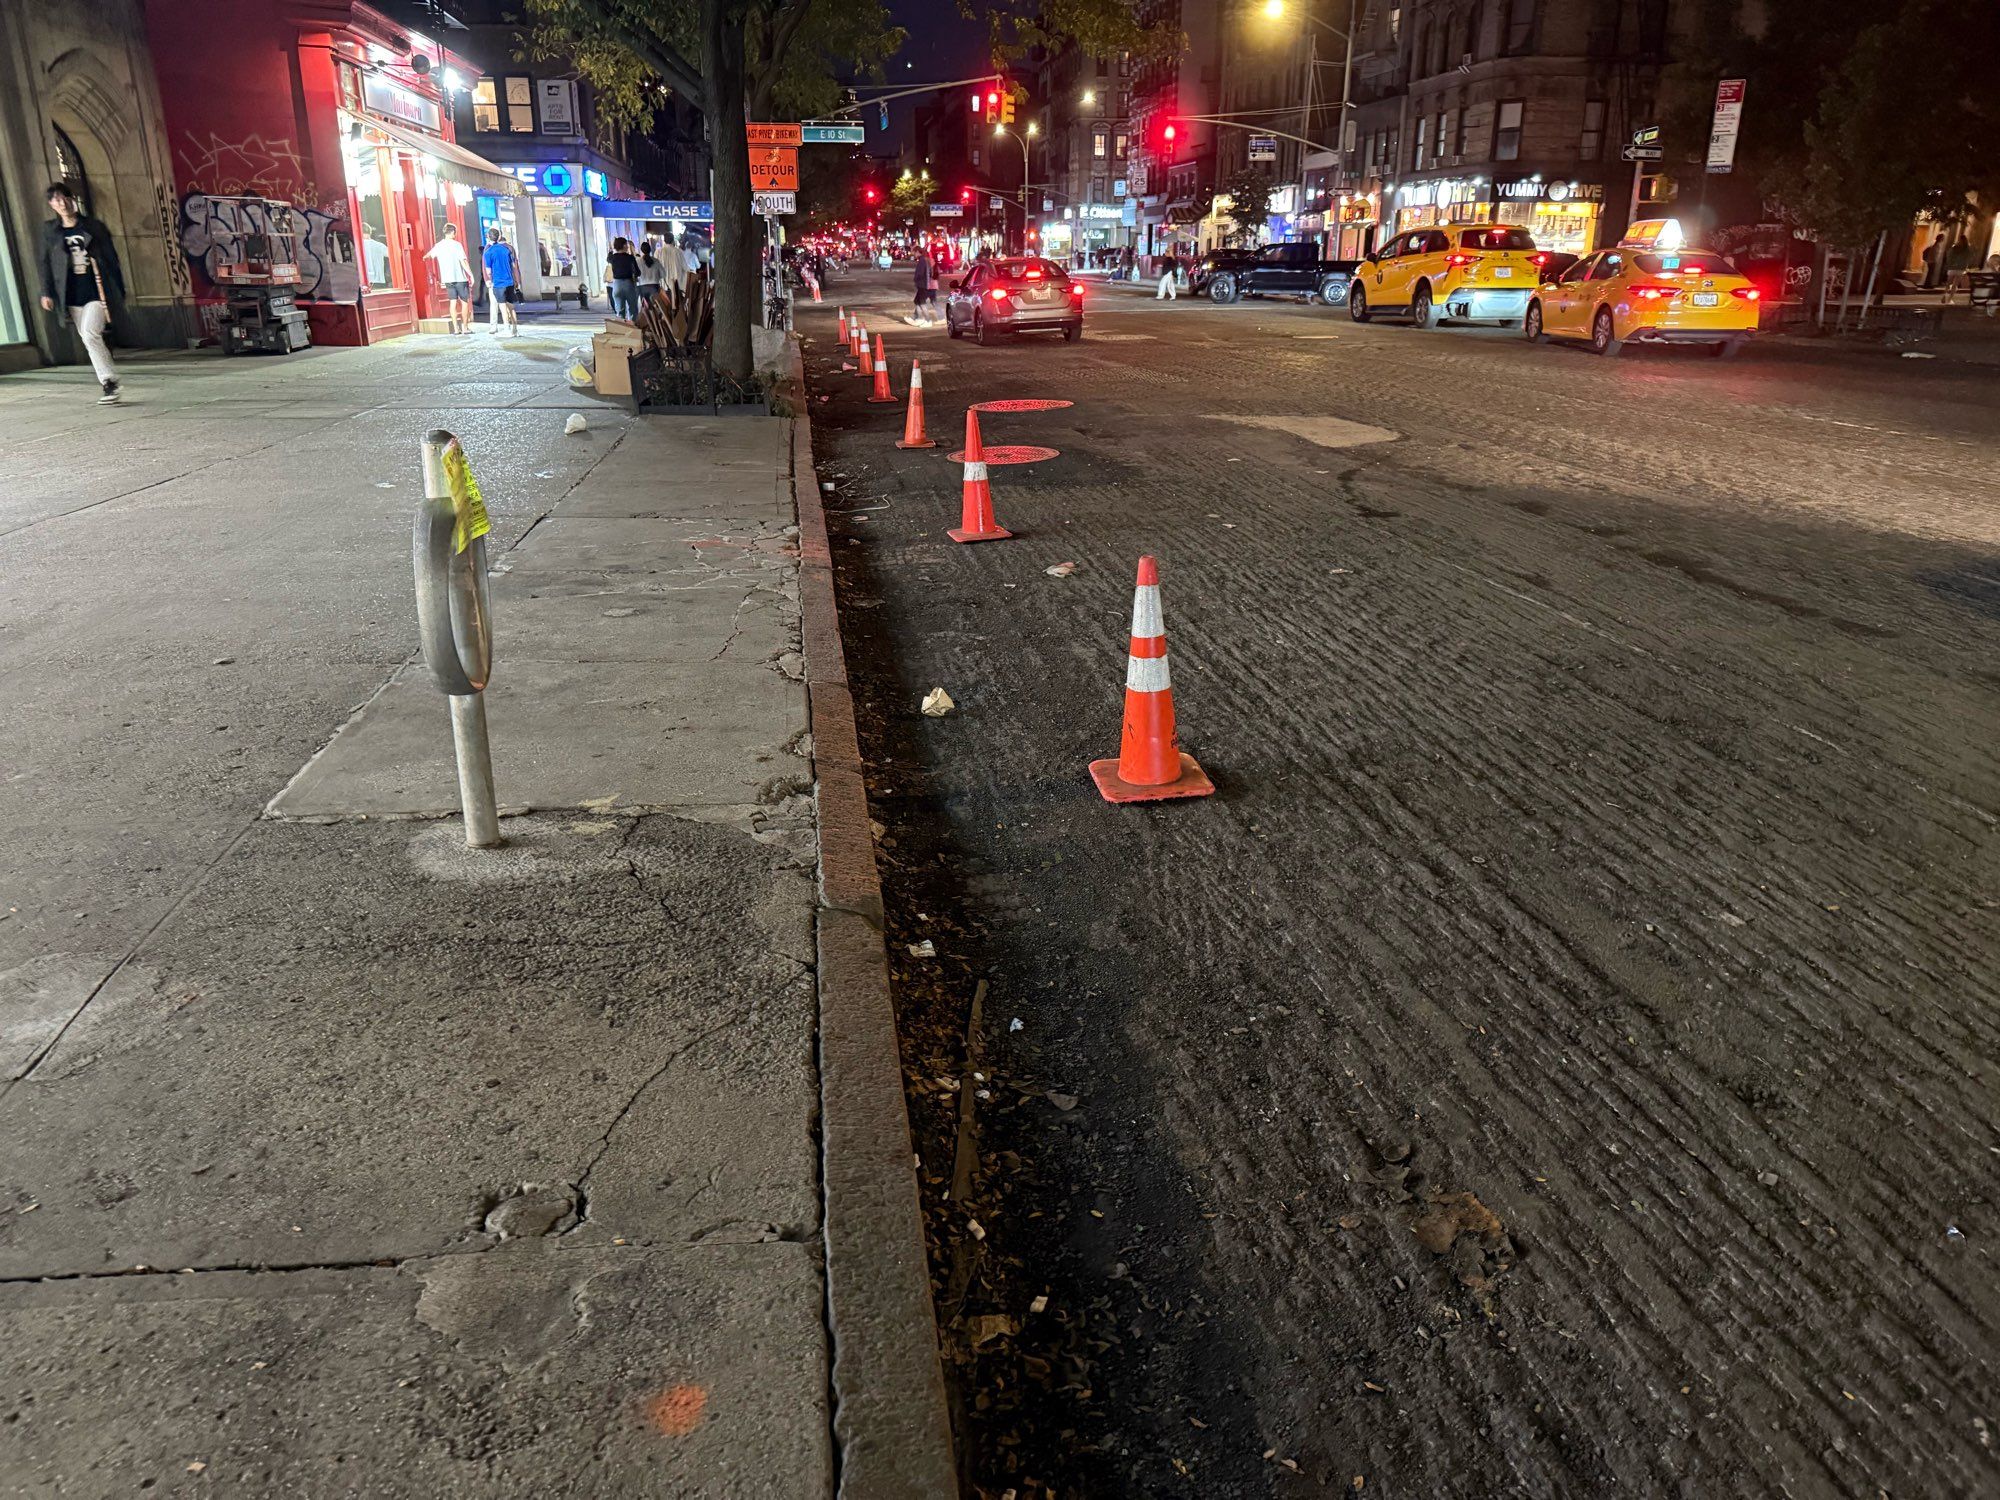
pixel 503 280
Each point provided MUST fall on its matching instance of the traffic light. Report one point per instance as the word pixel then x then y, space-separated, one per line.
pixel 1007 107
pixel 1168 133
pixel 993 106
pixel 966 195
pixel 871 194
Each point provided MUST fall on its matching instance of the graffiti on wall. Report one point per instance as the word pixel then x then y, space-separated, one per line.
pixel 177 267
pixel 257 166
pixel 212 236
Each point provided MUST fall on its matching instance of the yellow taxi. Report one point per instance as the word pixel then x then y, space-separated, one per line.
pixel 1462 271
pixel 1653 289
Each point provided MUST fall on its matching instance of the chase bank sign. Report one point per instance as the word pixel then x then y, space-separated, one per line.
pixel 559 179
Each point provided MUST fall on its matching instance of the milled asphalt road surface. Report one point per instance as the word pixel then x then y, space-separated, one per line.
pixel 1559 1060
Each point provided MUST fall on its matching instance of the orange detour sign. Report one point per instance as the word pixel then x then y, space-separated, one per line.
pixel 774 169
pixel 881 393
pixel 1151 766
pixel 976 523
pixel 913 419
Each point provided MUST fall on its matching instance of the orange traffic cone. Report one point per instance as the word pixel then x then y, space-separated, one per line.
pixel 976 523
pixel 1151 766
pixel 913 420
pixel 867 369
pixel 854 337
pixel 881 392
pixel 843 325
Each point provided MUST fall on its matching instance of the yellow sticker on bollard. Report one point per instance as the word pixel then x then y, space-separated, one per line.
pixel 468 506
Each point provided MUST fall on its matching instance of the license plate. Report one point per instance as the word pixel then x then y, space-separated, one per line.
pixel 1707 299
pixel 1039 294
pixel 1503 270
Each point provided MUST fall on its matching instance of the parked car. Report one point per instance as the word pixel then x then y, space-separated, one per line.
pixel 1453 271
pixel 1642 293
pixel 1203 272
pixel 1555 264
pixel 1017 294
pixel 1290 268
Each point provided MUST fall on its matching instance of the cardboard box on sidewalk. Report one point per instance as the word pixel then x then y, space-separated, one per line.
pixel 609 352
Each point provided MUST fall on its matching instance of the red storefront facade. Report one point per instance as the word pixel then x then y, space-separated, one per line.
pixel 337 112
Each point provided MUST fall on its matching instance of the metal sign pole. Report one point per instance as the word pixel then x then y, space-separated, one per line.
pixel 454 627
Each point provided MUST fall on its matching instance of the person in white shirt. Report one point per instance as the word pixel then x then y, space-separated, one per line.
pixel 454 269
pixel 652 270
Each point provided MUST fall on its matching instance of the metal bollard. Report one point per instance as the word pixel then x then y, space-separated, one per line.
pixel 454 627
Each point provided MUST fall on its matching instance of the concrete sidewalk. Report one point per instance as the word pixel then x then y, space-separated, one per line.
pixel 343 1160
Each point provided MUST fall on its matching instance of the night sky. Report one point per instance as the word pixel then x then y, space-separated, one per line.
pixel 942 44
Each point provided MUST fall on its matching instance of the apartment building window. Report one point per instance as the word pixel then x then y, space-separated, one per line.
pixel 1475 22
pixel 1100 143
pixel 520 105
pixel 1417 160
pixel 1416 52
pixel 1458 146
pixel 1119 144
pixel 485 107
pixel 1437 145
pixel 1507 130
pixel 1591 146
pixel 1520 26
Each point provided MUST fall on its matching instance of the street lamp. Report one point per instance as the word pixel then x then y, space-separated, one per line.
pixel 1090 96
pixel 1033 129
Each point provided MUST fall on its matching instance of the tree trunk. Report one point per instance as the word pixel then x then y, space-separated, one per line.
pixel 736 243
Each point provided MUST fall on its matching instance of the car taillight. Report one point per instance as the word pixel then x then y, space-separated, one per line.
pixel 1542 259
pixel 1747 293
pixel 1655 293
pixel 1076 290
pixel 1034 275
pixel 1460 260
pixel 998 294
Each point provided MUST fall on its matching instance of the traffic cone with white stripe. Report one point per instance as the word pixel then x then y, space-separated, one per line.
pixel 881 392
pixel 867 358
pixel 914 435
pixel 1151 766
pixel 843 325
pixel 976 523
pixel 849 331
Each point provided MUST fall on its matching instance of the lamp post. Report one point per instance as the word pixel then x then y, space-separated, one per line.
pixel 1275 10
pixel 1033 130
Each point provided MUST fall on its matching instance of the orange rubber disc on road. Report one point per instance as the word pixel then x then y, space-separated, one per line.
pixel 1003 453
pixel 1033 405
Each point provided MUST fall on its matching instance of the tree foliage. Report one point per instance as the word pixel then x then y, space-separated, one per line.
pixel 1097 28
pixel 1249 192
pixel 1860 116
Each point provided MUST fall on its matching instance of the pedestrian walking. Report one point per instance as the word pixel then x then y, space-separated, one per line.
pixel 80 273
pixel 1127 272
pixel 454 268
pixel 923 312
pixel 1169 287
pixel 503 282
pixel 621 279
pixel 652 272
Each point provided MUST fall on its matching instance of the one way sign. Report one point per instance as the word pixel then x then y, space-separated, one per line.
pixel 1643 153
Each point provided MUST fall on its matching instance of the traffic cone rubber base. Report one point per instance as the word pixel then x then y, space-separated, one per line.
pixel 928 442
pixel 960 534
pixel 1192 782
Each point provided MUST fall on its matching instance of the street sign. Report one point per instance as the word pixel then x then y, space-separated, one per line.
pixel 767 204
pixel 774 169
pixel 1263 148
pixel 947 210
pixel 1643 153
pixel 834 132
pixel 1646 135
pixel 996 201
pixel 779 133
pixel 1728 120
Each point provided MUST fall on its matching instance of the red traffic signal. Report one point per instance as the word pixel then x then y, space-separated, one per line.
pixel 1169 133
pixel 965 195
pixel 870 194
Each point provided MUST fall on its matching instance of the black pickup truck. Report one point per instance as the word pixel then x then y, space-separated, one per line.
pixel 1292 268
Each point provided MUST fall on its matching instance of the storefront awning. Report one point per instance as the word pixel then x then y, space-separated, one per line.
pixel 453 162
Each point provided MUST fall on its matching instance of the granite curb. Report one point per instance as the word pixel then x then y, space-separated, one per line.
pixel 892 1432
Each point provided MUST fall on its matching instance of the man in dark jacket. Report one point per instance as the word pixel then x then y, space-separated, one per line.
pixel 80 274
